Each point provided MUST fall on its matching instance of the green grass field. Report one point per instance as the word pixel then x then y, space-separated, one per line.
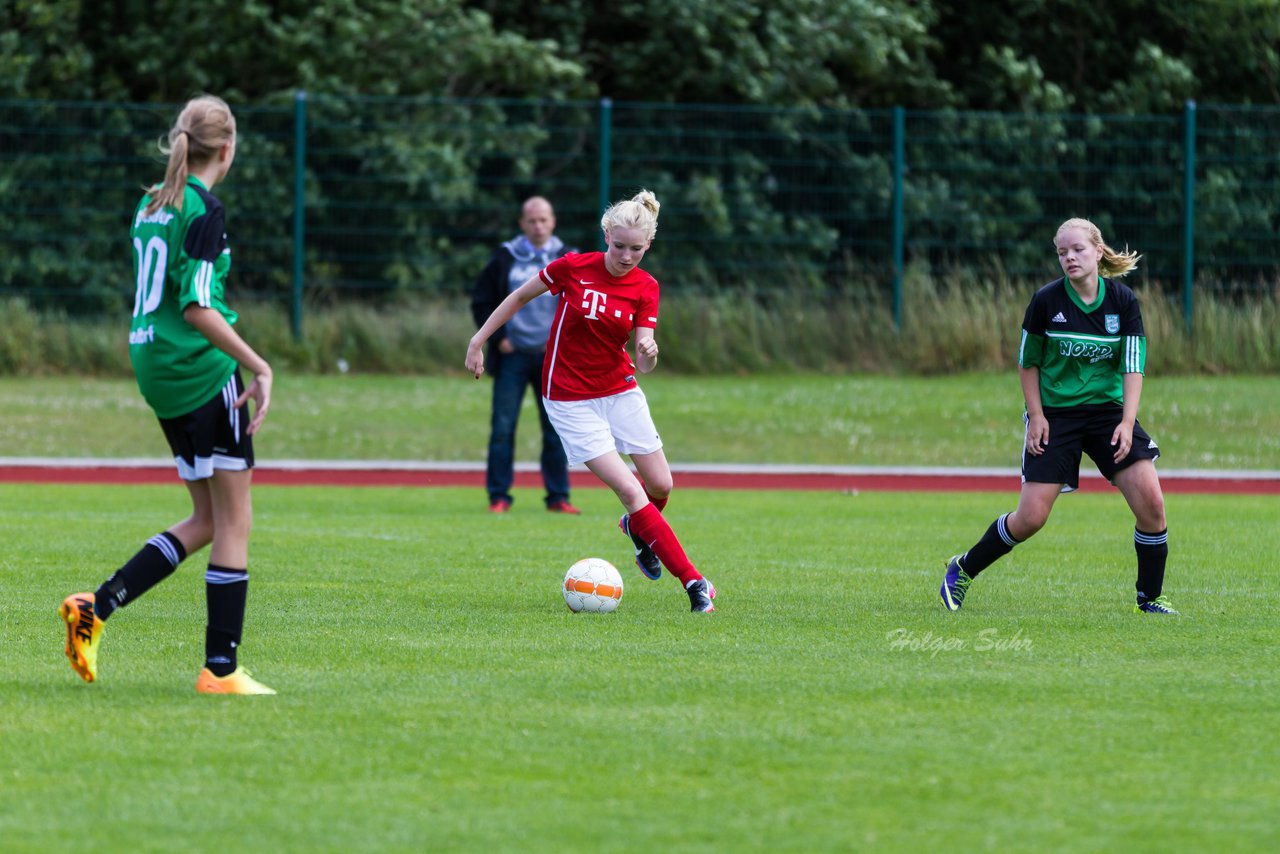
pixel 435 694
pixel 1229 422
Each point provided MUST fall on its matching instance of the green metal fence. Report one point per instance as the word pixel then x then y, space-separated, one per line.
pixel 367 198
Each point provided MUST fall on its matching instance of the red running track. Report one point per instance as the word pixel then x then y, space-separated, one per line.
pixel 1219 483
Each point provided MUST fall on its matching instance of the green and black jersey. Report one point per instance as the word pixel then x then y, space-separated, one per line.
pixel 180 257
pixel 1083 351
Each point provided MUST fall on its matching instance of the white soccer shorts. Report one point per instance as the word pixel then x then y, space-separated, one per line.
pixel 592 428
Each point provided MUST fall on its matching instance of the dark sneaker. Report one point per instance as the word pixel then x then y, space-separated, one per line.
pixel 954 585
pixel 645 558
pixel 1158 605
pixel 563 506
pixel 701 592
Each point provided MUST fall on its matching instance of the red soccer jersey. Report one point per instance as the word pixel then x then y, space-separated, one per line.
pixel 587 349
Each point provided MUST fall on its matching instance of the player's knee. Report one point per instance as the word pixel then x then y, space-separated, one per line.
pixel 1153 513
pixel 199 527
pixel 234 525
pixel 632 495
pixel 1027 523
pixel 659 488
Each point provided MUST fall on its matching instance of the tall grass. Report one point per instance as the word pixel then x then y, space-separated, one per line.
pixel 968 321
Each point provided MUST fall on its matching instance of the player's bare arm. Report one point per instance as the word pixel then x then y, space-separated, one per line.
pixel 212 325
pixel 1122 438
pixel 506 310
pixel 646 350
pixel 1037 425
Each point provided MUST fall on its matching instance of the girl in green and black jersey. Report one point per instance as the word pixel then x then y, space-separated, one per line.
pixel 186 355
pixel 1080 362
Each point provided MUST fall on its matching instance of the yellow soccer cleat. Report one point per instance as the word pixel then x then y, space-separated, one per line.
pixel 237 682
pixel 84 629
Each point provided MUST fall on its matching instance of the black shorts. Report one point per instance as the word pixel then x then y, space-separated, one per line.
pixel 213 436
pixel 1089 431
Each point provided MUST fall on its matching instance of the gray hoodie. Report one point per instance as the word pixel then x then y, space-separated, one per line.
pixel 529 329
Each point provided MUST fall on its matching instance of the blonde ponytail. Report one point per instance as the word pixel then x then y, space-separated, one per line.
pixel 1115 264
pixel 169 193
pixel 203 127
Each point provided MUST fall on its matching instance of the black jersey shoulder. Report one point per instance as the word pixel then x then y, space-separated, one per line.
pixel 1118 292
pixel 1054 309
pixel 1046 290
pixel 1115 295
pixel 206 235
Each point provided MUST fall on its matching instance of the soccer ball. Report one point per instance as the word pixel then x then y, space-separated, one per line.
pixel 592 584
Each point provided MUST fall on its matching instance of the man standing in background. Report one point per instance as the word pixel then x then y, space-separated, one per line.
pixel 516 353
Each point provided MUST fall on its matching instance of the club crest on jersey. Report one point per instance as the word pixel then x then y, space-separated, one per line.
pixel 1112 323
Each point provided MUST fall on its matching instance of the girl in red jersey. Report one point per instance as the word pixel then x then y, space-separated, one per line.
pixel 589 380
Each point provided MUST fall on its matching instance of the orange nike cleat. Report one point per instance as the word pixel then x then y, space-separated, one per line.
pixel 237 682
pixel 84 630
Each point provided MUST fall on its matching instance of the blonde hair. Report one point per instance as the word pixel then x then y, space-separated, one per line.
pixel 640 211
pixel 203 127
pixel 1112 263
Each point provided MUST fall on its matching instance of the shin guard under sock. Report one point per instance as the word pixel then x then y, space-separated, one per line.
pixel 153 563
pixel 995 544
pixel 647 523
pixel 225 593
pixel 1153 552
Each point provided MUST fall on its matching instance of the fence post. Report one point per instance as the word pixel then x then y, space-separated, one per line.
pixel 1188 210
pixel 606 155
pixel 299 206
pixel 899 167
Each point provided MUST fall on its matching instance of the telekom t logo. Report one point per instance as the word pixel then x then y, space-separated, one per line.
pixel 593 301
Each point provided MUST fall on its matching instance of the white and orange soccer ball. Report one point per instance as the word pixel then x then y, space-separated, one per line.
pixel 592 584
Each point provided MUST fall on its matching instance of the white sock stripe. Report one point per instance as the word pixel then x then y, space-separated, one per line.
pixel 1150 539
pixel 217 576
pixel 166 548
pixel 1003 531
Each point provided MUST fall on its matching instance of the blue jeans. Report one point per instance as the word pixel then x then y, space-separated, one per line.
pixel 515 372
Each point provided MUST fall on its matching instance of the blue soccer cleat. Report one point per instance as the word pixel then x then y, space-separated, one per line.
pixel 954 585
pixel 645 558
pixel 1158 605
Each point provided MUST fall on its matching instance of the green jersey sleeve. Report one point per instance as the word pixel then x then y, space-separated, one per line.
pixel 1133 359
pixel 1031 350
pixel 1133 341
